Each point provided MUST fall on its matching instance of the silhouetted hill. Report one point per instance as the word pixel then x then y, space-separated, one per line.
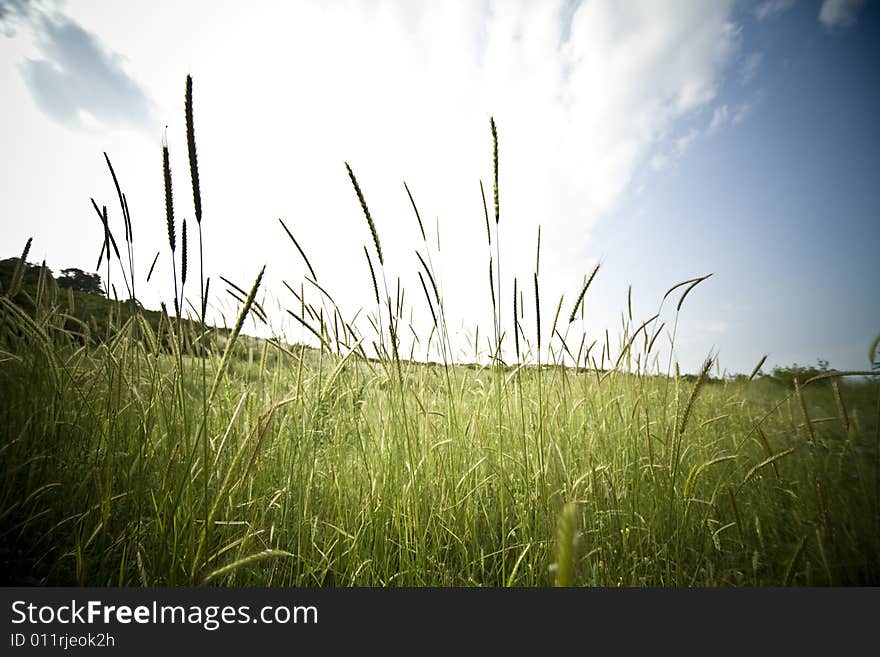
pixel 88 315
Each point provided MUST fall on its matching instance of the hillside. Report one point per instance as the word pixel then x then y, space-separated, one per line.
pixel 88 315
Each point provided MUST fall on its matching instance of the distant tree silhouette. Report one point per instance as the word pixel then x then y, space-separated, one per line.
pixel 29 273
pixel 80 281
pixel 802 373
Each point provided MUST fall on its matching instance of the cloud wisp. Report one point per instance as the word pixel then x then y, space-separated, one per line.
pixel 75 80
pixel 12 12
pixel 772 9
pixel 837 14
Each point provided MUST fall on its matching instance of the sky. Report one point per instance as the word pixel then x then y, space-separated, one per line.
pixel 661 140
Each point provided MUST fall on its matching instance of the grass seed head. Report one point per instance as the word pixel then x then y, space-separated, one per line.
pixel 366 210
pixel 191 148
pixel 169 204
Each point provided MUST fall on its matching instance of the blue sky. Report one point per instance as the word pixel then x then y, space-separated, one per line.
pixel 783 208
pixel 664 140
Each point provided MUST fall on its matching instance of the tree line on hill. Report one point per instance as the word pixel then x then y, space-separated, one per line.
pixel 89 315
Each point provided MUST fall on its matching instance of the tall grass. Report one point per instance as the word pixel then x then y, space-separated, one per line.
pixel 323 466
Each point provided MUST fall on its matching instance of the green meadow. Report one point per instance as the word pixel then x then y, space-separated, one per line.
pixel 139 449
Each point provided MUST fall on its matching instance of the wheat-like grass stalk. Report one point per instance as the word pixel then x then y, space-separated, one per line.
pixel 246 561
pixel 129 238
pixel 789 569
pixel 399 295
pixel 495 167
pixel 127 218
pixel 486 214
pixel 372 275
pixel 841 407
pixel 18 273
pixel 691 481
pixel 565 546
pixel 580 349
pixel 762 438
pixel 105 243
pixel 498 331
pixel 196 190
pixel 731 495
pixel 538 316
pixel 34 331
pixel 798 391
pixel 688 290
pixel 260 429
pixel 654 338
pixel 515 322
pixel 191 149
pixel 416 210
pixel 169 220
pixel 366 210
pixel 298 248
pixel 440 321
pixel 318 334
pixel 675 452
pixel 770 460
pixel 628 345
pixel 392 328
pixel 648 442
pixel 556 316
pixel 183 261
pixel 580 298
pixel 230 342
pixel 205 297
pixel 430 276
pixel 757 367
pixel 676 286
pixel 118 189
pixel 107 236
pixel 152 266
pixel 629 302
pixel 428 297
pixel 494 304
pixel 538 253
pixel 109 239
pixel 130 243
pixel 100 256
pixel 701 379
pixel 169 202
pixel 242 296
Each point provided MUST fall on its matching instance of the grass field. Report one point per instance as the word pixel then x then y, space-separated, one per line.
pixel 138 459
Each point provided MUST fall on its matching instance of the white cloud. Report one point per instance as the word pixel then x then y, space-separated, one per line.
pixel 839 13
pixel 77 83
pixel 723 114
pixel 711 326
pixel 719 118
pixel 743 111
pixel 69 73
pixel 772 8
pixel 683 142
pixel 660 162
